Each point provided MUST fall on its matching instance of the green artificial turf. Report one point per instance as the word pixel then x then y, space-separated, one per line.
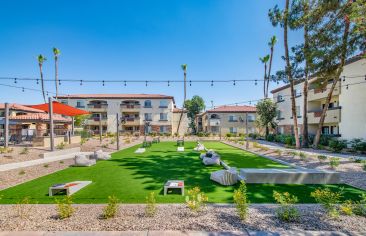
pixel 130 177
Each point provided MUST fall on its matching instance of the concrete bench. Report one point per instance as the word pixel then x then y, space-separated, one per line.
pixel 289 176
pixel 60 152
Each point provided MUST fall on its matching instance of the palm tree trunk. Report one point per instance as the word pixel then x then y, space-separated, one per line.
pixel 184 100
pixel 305 128
pixel 289 75
pixel 42 83
pixel 335 80
pixel 269 71
pixel 56 75
pixel 264 80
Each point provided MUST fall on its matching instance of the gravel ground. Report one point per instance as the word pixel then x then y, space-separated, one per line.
pixel 352 173
pixel 171 217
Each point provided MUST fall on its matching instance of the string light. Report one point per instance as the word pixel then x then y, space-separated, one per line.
pixel 125 83
pixel 146 83
pixel 190 83
pixel 344 78
pixel 37 81
pixel 59 82
pixel 211 82
pixel 23 89
pixel 347 87
pixel 365 77
pixel 81 82
pixel 255 82
pixel 168 83
pixel 103 82
pixel 234 83
pixel 15 80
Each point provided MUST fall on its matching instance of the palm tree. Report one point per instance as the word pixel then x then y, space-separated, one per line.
pixel 56 53
pixel 184 68
pixel 271 43
pixel 264 60
pixel 42 59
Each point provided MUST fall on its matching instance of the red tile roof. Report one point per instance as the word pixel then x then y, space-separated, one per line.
pixel 18 107
pixel 233 109
pixel 117 96
pixel 43 117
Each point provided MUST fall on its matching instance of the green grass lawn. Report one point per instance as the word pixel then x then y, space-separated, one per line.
pixel 131 177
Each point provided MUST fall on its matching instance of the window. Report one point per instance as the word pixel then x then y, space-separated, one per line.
pixel 80 104
pixel 163 129
pixel 233 130
pixel 297 93
pixel 298 111
pixel 147 104
pixel 325 130
pixel 251 117
pixel 163 104
pixel 164 116
pixel 279 115
pixel 148 116
pixel 280 130
pixel 233 118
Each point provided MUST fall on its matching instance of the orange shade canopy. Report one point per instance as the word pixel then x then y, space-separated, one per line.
pixel 62 109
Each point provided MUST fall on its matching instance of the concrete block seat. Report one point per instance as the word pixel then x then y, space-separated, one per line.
pixel 225 177
pixel 199 147
pixel 210 158
pixel 289 176
pixel 100 155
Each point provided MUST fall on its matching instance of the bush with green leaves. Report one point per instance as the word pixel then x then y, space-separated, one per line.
pixel 358 145
pixel 24 151
pixel 150 209
pixel 329 200
pixel 196 199
pixel 287 211
pixel 64 207
pixel 111 209
pixel 271 137
pixel 322 158
pixel 303 156
pixel 334 162
pixel 241 200
pixel 346 207
pixel 337 145
pixel 360 206
pixel 61 146
pixel 23 208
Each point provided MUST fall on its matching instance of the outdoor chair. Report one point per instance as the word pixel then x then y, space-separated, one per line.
pixel 180 142
pixel 84 160
pixel 214 160
pixel 225 177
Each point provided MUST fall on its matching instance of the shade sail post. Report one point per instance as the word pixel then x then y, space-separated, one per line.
pixel 6 126
pixel 50 109
pixel 72 126
pixel 100 128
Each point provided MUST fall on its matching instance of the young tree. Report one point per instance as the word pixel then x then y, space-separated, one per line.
pixel 271 44
pixel 184 68
pixel 42 59
pixel 264 60
pixel 267 111
pixel 56 53
pixel 194 106
pixel 282 18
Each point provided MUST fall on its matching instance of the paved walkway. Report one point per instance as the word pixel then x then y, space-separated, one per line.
pixel 308 150
pixel 178 233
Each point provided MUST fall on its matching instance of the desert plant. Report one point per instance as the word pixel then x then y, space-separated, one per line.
pixel 360 206
pixel 22 172
pixel 22 208
pixel 241 201
pixel 337 145
pixel 62 162
pixel 322 158
pixel 334 162
pixel 105 145
pixel 303 156
pixel 4 150
pixel 61 146
pixel 328 200
pixel 278 152
pixel 292 153
pixel 111 209
pixel 287 211
pixel 196 199
pixel 64 207
pixel 46 165
pixel 24 151
pixel 347 207
pixel 256 145
pixel 82 141
pixel 150 209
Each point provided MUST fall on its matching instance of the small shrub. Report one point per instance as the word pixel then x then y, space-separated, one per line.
pixel 278 152
pixel 328 200
pixel 24 151
pixel 360 206
pixel 256 145
pixel 105 145
pixel 4 150
pixel 64 207
pixel 358 145
pixel 22 208
pixel 287 211
pixel 196 199
pixel 292 154
pixel 112 141
pixel 241 201
pixel 61 146
pixel 334 162
pixel 347 208
pixel 322 158
pixel 265 148
pixel 46 165
pixel 22 172
pixel 111 209
pixel 150 209
pixel 337 145
pixel 364 166
pixel 271 137
pixel 62 162
pixel 302 156
pixel 288 141
pixel 83 141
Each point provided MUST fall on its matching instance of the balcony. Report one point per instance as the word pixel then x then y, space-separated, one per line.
pixel 319 93
pixel 132 121
pixel 97 107
pixel 96 121
pixel 333 116
pixel 214 122
pixel 130 107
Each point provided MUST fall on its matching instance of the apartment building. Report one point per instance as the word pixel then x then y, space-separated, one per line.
pixel 227 119
pixel 134 109
pixel 346 116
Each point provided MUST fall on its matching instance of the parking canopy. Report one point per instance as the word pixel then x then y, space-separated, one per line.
pixel 60 108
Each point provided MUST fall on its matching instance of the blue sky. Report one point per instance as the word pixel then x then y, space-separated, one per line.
pixel 139 40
